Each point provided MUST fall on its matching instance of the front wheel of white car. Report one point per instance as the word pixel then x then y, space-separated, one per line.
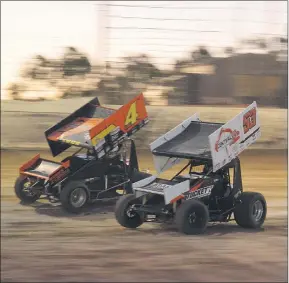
pixel 124 213
pixel 192 217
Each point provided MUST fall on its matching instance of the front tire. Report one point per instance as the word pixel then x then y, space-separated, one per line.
pixel 124 216
pixel 22 191
pixel 74 197
pixel 192 217
pixel 251 211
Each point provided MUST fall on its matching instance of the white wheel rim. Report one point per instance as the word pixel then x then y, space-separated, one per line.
pixel 258 210
pixel 26 189
pixel 78 197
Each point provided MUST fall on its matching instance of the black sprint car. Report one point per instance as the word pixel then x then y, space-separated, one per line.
pixel 104 165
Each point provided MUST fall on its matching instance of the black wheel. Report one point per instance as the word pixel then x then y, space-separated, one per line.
pixel 74 196
pixel 23 191
pixel 251 211
pixel 192 217
pixel 123 214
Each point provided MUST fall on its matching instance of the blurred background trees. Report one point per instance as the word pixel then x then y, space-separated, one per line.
pixel 75 62
pixel 256 68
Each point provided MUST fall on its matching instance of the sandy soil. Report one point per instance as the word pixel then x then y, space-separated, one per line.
pixel 42 243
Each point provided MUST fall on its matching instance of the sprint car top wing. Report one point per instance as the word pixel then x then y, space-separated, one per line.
pixel 188 140
pixel 96 127
pixel 215 142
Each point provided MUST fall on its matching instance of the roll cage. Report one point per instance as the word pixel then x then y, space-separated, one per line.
pixel 231 172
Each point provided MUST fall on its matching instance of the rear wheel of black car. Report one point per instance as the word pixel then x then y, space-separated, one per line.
pixel 74 196
pixel 192 217
pixel 23 190
pixel 251 211
pixel 124 213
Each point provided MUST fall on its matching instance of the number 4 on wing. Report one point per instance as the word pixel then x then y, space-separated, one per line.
pixel 132 115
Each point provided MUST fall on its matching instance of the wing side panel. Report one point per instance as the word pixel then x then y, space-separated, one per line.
pixel 227 142
pixel 127 119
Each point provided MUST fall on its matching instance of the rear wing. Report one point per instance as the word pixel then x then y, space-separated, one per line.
pixel 95 127
pixel 163 163
pixel 227 142
pixel 216 143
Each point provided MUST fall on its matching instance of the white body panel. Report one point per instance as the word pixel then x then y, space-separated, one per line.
pixel 168 191
pixel 163 163
pixel 176 190
pixel 231 139
pixel 144 182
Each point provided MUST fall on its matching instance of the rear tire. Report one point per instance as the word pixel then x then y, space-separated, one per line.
pixel 20 190
pixel 251 212
pixel 192 217
pixel 122 214
pixel 74 197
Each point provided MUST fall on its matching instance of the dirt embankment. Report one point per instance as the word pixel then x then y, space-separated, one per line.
pixel 23 123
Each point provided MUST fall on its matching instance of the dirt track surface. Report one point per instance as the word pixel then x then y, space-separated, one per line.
pixel 42 243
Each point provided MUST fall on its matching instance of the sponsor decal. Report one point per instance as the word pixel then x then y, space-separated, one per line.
pixel 87 136
pixel 70 141
pixel 206 191
pixel 100 154
pixel 100 145
pixel 91 180
pixel 95 140
pixel 193 189
pixel 115 131
pixel 227 137
pixel 157 186
pixel 249 120
pixel 59 175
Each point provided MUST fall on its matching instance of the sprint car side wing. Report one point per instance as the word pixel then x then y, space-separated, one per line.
pixel 227 142
pixel 128 119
